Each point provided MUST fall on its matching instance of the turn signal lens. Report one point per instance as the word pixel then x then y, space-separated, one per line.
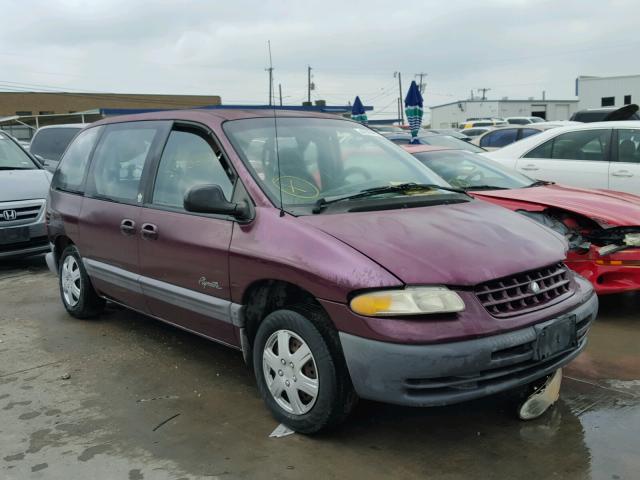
pixel 411 301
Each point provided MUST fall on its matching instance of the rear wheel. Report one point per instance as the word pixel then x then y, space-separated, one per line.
pixel 78 296
pixel 300 370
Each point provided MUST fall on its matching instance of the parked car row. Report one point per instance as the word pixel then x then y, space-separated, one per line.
pixel 341 265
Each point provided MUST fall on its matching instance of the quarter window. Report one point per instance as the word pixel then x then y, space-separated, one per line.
pixel 70 174
pixel 119 160
pixel 189 160
pixel 628 143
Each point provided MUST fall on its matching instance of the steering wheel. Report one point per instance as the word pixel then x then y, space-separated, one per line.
pixel 296 187
pixel 356 171
pixel 476 174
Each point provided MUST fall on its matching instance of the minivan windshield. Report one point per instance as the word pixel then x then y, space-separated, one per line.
pixel 324 159
pixel 12 157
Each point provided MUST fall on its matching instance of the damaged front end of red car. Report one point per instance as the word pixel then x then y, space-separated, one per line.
pixel 607 256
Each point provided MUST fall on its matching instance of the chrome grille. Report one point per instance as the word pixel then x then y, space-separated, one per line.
pixel 525 292
pixel 21 212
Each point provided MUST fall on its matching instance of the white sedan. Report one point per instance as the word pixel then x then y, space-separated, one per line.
pixel 590 155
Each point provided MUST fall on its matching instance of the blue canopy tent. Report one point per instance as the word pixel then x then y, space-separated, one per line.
pixel 357 112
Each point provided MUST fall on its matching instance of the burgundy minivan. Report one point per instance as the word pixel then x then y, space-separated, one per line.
pixel 337 263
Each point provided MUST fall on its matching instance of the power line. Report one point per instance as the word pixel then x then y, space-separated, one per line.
pixel 484 92
pixel 421 84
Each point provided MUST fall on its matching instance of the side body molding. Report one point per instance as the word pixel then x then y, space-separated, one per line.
pixel 207 305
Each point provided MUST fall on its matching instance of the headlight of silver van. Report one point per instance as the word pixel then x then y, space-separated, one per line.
pixel 410 301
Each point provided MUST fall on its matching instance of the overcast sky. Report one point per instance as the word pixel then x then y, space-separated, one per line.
pixel 518 48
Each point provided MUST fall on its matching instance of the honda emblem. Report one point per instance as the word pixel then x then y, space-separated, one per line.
pixel 9 215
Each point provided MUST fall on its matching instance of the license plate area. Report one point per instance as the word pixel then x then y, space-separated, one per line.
pixel 555 337
pixel 14 235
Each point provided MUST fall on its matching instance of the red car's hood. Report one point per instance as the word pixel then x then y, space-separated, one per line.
pixel 607 207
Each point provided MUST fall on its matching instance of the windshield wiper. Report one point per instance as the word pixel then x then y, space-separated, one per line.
pixel 15 168
pixel 540 183
pixel 487 187
pixel 369 192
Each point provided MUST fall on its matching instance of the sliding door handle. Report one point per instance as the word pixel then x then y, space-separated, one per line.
pixel 149 231
pixel 128 226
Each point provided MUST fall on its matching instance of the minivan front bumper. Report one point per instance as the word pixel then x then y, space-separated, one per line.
pixel 447 373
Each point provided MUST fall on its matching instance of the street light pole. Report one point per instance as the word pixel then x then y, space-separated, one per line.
pixel 401 110
pixel 309 84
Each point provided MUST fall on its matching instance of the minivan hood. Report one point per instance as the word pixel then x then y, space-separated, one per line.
pixel 461 244
pixel 606 207
pixel 23 184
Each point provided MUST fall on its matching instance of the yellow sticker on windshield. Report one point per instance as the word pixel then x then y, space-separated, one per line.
pixel 297 187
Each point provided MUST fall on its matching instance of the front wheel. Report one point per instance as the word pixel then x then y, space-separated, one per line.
pixel 78 296
pixel 300 370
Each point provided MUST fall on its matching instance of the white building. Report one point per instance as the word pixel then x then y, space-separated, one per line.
pixel 596 92
pixel 454 113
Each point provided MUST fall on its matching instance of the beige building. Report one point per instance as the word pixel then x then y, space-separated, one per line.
pixel 40 103
pixel 22 113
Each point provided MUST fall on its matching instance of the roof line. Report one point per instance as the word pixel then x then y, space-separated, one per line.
pixel 509 100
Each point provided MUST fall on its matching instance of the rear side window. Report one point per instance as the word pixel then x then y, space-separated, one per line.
pixel 71 172
pixel 50 143
pixel 499 138
pixel 119 160
pixel 189 160
pixel 580 145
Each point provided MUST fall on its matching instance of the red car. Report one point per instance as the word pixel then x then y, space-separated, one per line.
pixel 601 226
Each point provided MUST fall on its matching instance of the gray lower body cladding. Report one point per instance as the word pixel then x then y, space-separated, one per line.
pixel 443 374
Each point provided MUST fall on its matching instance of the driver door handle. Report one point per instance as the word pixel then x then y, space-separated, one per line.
pixel 127 226
pixel 530 167
pixel 149 231
pixel 622 173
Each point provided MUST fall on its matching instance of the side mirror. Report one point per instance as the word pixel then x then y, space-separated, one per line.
pixel 211 199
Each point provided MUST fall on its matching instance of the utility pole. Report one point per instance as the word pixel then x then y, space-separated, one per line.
pixel 309 83
pixel 401 110
pixel 484 92
pixel 280 91
pixel 421 84
pixel 270 70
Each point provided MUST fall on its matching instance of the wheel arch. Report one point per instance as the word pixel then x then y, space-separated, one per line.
pixel 60 243
pixel 265 296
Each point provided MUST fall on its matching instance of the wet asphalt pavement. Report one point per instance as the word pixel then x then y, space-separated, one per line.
pixel 126 397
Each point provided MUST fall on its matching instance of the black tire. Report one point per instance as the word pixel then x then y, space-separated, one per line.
pixel 88 304
pixel 336 396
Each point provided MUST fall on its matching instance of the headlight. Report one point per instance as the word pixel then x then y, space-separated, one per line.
pixel 410 301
